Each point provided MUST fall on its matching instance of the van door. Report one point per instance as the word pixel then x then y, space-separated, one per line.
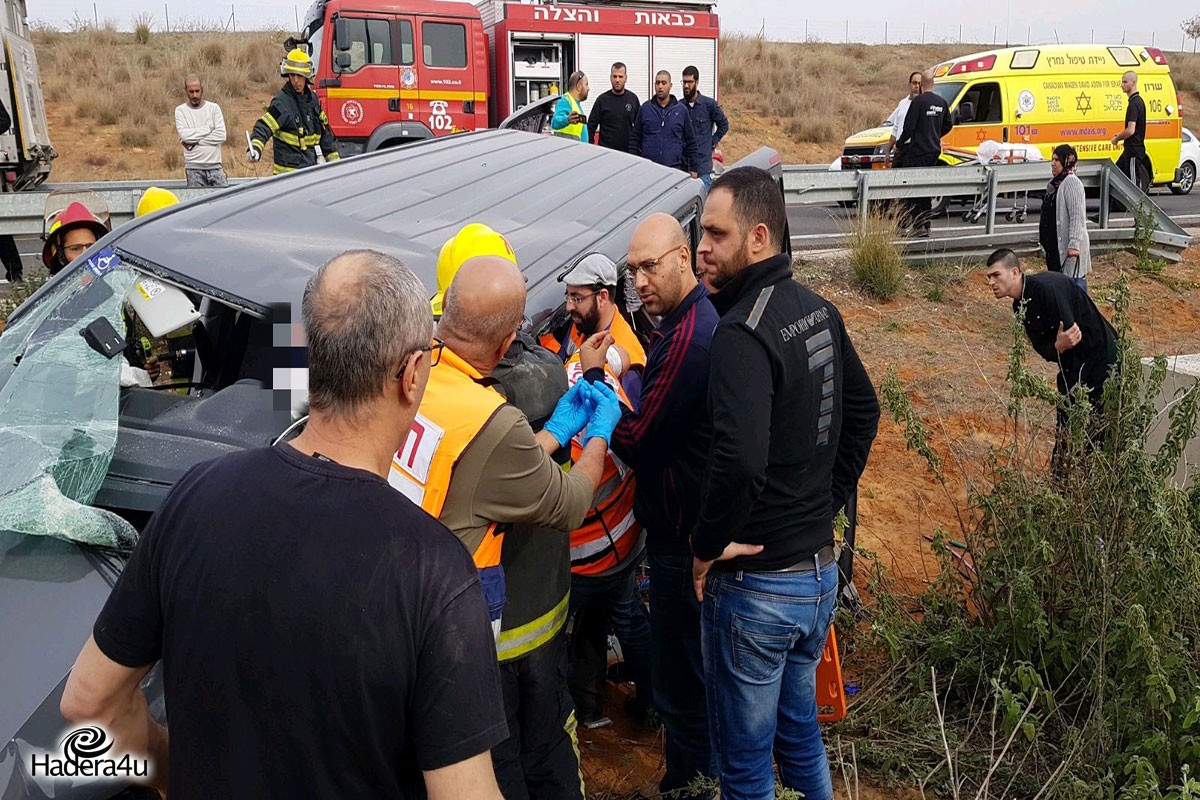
pixel 989 123
pixel 369 81
pixel 446 81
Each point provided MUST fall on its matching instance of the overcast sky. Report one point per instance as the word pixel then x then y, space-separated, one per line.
pixel 868 20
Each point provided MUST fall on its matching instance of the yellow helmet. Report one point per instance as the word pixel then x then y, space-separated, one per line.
pixel 155 199
pixel 475 239
pixel 297 62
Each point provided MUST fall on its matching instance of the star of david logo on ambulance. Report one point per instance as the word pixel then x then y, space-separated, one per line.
pixel 1083 103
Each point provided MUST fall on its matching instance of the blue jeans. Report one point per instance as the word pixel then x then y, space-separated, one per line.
pixel 706 179
pixel 616 596
pixel 678 673
pixel 763 637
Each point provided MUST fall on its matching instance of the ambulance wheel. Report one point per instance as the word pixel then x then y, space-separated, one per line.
pixel 938 205
pixel 1187 179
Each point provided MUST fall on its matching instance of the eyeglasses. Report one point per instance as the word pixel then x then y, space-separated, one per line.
pixel 576 299
pixel 74 250
pixel 435 355
pixel 649 267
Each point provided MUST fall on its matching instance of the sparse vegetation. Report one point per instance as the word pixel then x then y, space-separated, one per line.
pixel 876 265
pixel 141 28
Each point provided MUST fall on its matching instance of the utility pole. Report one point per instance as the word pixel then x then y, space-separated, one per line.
pixel 167 16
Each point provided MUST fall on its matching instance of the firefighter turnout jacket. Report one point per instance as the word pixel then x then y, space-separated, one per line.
pixel 297 124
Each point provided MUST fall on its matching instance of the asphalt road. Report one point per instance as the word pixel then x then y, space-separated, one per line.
pixel 816 226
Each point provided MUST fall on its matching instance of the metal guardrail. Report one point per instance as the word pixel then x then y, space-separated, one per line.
pixel 825 187
pixel 21 212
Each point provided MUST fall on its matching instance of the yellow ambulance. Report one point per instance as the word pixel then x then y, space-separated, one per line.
pixel 1046 96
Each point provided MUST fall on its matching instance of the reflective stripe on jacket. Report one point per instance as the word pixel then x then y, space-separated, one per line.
pixel 297 125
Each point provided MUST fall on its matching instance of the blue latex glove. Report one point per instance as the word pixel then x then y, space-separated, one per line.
pixel 571 413
pixel 607 413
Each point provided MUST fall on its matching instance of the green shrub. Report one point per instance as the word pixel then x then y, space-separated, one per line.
pixel 1055 654
pixel 876 265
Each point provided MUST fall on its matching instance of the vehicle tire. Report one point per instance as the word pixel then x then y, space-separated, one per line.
pixel 1187 179
pixel 938 205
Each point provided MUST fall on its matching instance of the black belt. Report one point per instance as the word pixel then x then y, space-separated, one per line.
pixel 824 555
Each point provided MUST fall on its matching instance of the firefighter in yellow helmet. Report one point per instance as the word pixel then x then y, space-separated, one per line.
pixel 155 199
pixel 294 120
pixel 475 239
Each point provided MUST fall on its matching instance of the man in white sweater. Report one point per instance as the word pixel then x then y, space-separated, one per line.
pixel 201 128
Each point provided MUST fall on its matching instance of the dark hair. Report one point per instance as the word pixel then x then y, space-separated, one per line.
pixel 1066 155
pixel 756 199
pixel 1005 256
pixel 662 72
pixel 618 65
pixel 575 78
pixel 916 72
pixel 690 70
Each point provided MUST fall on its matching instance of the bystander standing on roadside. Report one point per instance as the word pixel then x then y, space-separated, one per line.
pixel 793 418
pixel 614 112
pixel 325 611
pixel 201 128
pixel 920 145
pixel 708 123
pixel 14 270
pixel 1134 161
pixel 900 114
pixel 663 130
pixel 665 442
pixel 1062 226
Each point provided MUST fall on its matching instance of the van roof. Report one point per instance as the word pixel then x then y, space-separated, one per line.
pixel 1057 59
pixel 554 199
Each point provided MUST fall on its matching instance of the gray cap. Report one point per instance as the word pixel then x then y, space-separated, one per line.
pixel 594 269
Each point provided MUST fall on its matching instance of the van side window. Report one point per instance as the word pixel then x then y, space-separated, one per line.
pixel 986 99
pixel 444 44
pixel 370 43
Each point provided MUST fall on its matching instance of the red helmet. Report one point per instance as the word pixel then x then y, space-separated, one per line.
pixel 73 216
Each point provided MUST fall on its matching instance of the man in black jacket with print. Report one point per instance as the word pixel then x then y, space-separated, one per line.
pixel 793 418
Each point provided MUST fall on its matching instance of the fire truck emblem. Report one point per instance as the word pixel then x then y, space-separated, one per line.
pixel 409 79
pixel 352 112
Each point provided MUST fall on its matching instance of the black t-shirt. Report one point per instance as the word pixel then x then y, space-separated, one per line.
pixel 1135 112
pixel 1053 299
pixel 614 116
pixel 321 636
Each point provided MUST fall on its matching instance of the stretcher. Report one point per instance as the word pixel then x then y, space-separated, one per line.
pixel 992 153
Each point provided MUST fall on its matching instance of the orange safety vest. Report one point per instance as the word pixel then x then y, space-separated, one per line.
pixel 621 332
pixel 610 531
pixel 452 413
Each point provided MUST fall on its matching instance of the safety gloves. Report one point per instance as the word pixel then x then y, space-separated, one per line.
pixel 571 414
pixel 607 411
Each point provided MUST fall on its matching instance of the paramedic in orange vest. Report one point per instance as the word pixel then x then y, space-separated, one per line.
pixel 607 548
pixel 569 119
pixel 472 461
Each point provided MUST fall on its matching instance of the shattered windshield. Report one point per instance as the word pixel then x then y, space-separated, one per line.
pixel 59 407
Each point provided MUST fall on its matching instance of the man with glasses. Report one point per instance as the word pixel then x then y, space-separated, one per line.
pixel 665 442
pixel 474 462
pixel 607 547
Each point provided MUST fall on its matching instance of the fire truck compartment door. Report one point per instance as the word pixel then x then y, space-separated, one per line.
pixel 597 54
pixel 673 53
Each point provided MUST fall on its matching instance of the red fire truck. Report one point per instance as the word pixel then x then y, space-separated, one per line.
pixel 394 71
